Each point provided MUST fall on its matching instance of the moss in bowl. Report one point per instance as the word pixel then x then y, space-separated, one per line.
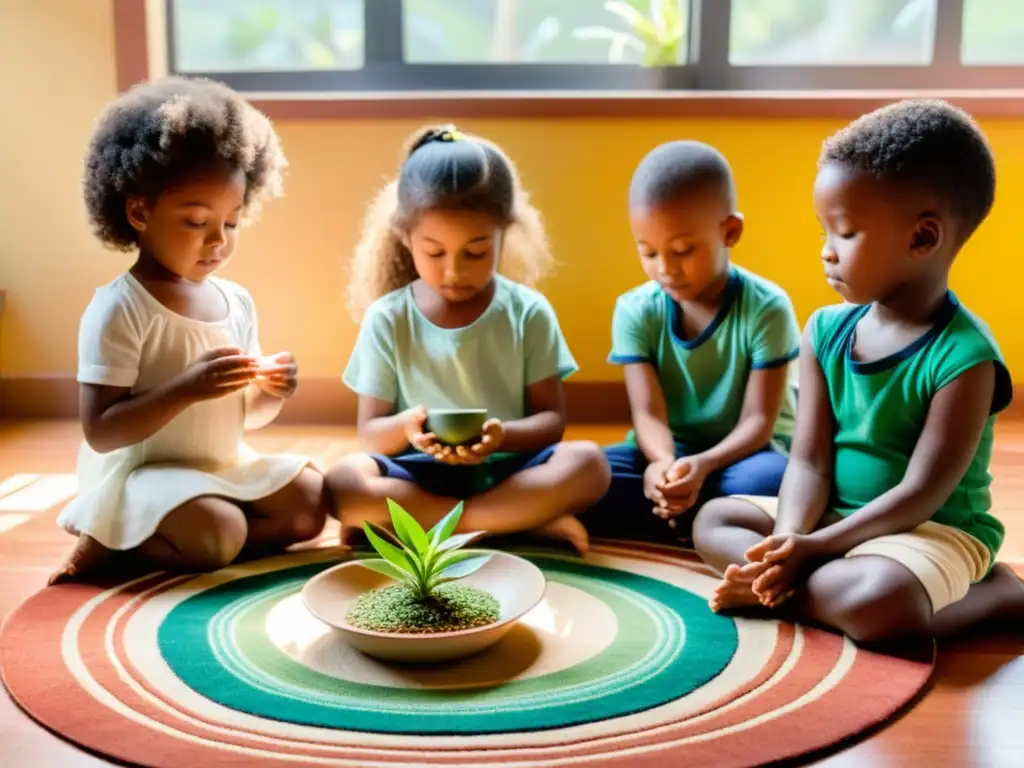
pixel 424 564
pixel 456 426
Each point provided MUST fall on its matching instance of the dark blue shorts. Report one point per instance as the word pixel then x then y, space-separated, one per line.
pixel 625 512
pixel 460 482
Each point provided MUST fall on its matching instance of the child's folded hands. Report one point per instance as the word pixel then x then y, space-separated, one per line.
pixel 775 562
pixel 278 375
pixel 680 487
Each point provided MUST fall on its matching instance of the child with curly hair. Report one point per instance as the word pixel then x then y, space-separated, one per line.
pixel 170 368
pixel 441 328
pixel 883 524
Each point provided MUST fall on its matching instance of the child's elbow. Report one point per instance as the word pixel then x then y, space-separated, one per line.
pixel 96 438
pixel 558 427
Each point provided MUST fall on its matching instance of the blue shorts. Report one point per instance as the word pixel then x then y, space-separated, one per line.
pixel 460 482
pixel 625 512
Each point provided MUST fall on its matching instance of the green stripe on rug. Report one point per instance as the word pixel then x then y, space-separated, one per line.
pixel 216 642
pixel 655 635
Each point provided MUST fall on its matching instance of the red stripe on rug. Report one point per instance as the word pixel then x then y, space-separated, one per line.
pixel 798 732
pixel 53 696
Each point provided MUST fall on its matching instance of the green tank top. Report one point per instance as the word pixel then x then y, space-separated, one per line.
pixel 880 408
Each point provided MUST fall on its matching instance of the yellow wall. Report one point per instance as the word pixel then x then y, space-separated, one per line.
pixel 60 72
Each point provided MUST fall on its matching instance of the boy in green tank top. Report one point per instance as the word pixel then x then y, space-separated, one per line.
pixel 882 526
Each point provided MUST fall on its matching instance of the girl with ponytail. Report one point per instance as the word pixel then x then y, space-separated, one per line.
pixel 443 286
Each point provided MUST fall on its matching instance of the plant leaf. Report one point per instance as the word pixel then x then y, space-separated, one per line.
pixel 459 540
pixel 386 568
pixel 387 535
pixel 636 20
pixel 446 525
pixel 389 552
pixel 408 530
pixel 452 558
pixel 460 570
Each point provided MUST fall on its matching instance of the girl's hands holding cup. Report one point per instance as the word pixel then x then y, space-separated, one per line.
pixel 492 435
pixel 415 421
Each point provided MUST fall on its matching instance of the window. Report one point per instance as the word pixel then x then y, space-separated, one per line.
pixel 544 31
pixel 267 35
pixel 832 32
pixel 993 32
pixel 598 45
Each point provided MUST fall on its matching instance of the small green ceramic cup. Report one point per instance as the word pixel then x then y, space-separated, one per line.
pixel 455 426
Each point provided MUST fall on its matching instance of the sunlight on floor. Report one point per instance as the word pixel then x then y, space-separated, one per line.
pixel 16 483
pixel 7 522
pixel 36 494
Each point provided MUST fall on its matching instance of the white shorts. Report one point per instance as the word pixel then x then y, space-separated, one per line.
pixel 944 559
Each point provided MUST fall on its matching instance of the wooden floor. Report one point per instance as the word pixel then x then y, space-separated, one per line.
pixel 972 715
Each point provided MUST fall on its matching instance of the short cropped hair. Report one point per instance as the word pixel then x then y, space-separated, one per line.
pixel 680 168
pixel 923 142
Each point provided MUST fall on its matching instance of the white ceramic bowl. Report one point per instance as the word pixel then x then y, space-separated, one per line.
pixel 517 584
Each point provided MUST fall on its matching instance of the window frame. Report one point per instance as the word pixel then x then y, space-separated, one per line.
pixel 707 68
pixel 141 37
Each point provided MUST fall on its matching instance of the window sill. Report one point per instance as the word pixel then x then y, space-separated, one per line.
pixel 694 104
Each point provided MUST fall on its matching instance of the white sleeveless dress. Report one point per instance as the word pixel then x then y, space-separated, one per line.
pixel 129 339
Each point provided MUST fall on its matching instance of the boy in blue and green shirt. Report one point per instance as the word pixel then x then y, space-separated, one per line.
pixel 706 348
pixel 883 524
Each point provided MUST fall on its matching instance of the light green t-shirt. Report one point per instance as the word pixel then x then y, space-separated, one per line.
pixel 704 379
pixel 880 408
pixel 403 358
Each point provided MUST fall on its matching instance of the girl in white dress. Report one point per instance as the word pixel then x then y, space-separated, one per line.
pixel 170 368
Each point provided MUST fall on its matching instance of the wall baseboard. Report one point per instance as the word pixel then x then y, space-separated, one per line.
pixel 317 401
pixel 328 401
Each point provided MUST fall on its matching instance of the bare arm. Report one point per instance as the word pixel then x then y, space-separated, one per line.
pixel 649 413
pixel 808 479
pixel 762 403
pixel 261 408
pixel 113 418
pixel 380 429
pixel 545 425
pixel 956 419
pixel 265 398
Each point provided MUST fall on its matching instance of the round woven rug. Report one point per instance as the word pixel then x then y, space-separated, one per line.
pixel 622 664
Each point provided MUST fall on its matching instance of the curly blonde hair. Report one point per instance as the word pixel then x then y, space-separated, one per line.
pixel 157 133
pixel 449 170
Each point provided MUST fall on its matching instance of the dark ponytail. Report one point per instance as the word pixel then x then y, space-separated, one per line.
pixel 446 170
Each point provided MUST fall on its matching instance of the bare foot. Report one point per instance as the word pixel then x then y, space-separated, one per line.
pixel 734 591
pixel 88 556
pixel 567 528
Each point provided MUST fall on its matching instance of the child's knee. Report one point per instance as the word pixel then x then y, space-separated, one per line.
pixel 217 539
pixel 869 599
pixel 307 524
pixel 348 476
pixel 590 466
pixel 729 513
